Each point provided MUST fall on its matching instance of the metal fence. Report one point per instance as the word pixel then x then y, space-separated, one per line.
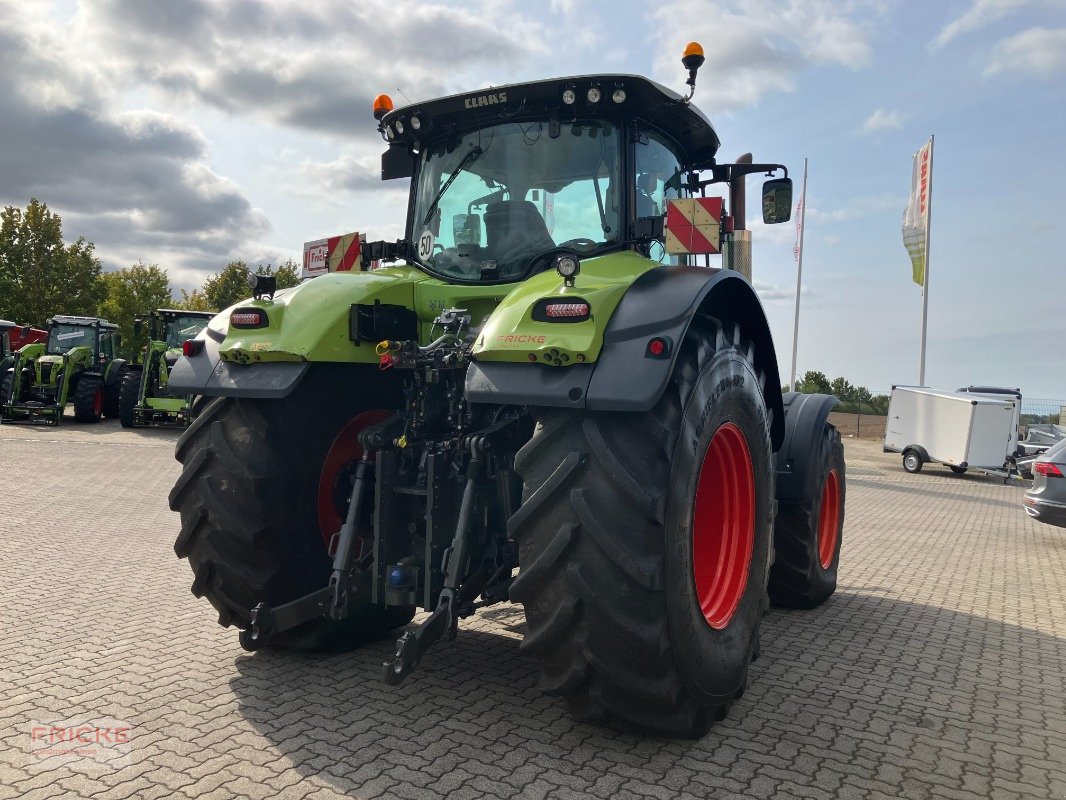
pixel 867 420
pixel 1043 411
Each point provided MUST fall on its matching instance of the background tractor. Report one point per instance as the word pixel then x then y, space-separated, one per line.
pixel 76 364
pixel 145 397
pixel 551 400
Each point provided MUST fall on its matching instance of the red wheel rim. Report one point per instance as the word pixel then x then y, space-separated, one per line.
pixel 98 402
pixel 829 519
pixel 344 451
pixel 723 525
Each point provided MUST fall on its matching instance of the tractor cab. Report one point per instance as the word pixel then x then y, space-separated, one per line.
pixel 65 333
pixel 171 328
pixel 504 179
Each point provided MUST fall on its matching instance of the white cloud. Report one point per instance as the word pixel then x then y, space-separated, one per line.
pixel 1037 53
pixel 135 182
pixel 304 64
pixel 979 15
pixel 882 120
pixel 761 46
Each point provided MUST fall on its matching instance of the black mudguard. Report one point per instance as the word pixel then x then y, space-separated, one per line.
pixel 207 374
pixel 660 303
pixel 805 417
pixel 113 370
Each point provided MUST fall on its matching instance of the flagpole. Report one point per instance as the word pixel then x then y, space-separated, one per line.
pixel 925 285
pixel 799 274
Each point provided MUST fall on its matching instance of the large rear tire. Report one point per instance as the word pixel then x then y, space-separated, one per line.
pixel 129 396
pixel 626 518
pixel 249 503
pixel 807 535
pixel 88 399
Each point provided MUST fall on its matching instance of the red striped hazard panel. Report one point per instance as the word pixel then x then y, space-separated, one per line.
pixel 343 252
pixel 693 225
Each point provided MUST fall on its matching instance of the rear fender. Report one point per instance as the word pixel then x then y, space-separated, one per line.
pixel 805 417
pixel 661 304
pixel 207 374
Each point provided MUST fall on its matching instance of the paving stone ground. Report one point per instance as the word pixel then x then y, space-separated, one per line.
pixel 936 671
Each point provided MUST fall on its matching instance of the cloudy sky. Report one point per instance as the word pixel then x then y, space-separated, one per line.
pixel 190 132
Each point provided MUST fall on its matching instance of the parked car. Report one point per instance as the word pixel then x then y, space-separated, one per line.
pixel 1046 501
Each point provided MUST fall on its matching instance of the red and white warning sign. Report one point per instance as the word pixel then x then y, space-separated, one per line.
pixel 693 225
pixel 335 254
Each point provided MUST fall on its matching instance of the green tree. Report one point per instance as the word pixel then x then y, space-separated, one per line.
pixel 287 274
pixel 132 292
pixel 194 301
pixel 39 276
pixel 842 388
pixel 814 383
pixel 228 287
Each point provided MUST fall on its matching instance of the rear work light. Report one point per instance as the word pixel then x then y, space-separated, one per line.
pixel 568 310
pixel 191 347
pixel 248 318
pixel 1047 469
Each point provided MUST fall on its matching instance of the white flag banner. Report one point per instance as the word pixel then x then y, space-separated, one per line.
pixel 916 217
pixel 799 224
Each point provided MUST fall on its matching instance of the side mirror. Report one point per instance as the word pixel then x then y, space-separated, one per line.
pixel 466 229
pixel 138 326
pixel 397 162
pixel 777 200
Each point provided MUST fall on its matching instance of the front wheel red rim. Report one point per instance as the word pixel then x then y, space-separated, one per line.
pixel 98 402
pixel 723 525
pixel 829 519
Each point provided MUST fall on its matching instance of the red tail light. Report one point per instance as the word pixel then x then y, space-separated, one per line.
pixel 191 347
pixel 558 310
pixel 248 318
pixel 1048 469
pixel 569 309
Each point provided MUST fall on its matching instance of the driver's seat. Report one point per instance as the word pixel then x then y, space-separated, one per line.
pixel 515 229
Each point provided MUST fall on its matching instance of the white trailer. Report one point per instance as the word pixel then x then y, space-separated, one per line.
pixel 962 430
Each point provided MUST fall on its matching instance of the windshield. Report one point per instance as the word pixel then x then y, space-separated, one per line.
pixel 63 337
pixel 505 194
pixel 181 328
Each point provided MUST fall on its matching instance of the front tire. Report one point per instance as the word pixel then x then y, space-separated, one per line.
pixel 113 392
pixel 88 399
pixel 623 514
pixel 807 535
pixel 248 498
pixel 129 397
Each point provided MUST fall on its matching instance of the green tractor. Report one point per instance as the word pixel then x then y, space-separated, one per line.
pixel 543 401
pixel 76 364
pixel 145 397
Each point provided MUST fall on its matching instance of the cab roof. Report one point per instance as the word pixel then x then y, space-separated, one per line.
pixel 644 100
pixel 181 312
pixel 95 322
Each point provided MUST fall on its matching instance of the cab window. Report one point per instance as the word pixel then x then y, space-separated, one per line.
pixel 659 178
